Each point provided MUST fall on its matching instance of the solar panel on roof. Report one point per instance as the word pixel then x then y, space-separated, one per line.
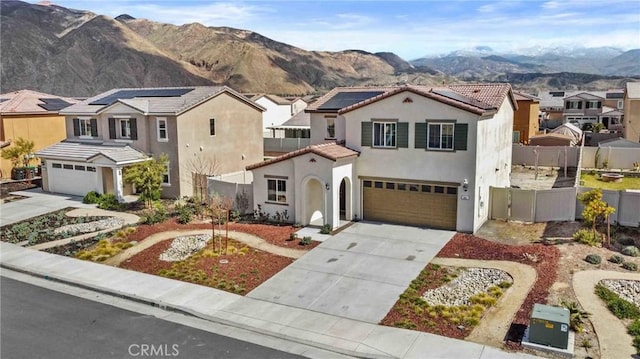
pixel 129 94
pixel 344 99
pixel 556 93
pixel 615 95
pixel 53 104
pixel 461 98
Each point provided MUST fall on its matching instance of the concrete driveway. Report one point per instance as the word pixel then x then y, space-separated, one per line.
pixel 358 273
pixel 37 203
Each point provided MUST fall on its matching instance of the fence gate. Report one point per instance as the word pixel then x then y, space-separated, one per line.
pixel 513 204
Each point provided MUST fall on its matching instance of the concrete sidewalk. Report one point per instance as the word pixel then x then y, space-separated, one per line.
pixel 341 335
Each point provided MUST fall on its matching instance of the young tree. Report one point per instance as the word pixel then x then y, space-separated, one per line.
pixel 18 153
pixel 219 207
pixel 198 169
pixel 595 209
pixel 147 177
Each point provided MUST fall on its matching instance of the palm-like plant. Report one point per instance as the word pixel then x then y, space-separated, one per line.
pixel 576 315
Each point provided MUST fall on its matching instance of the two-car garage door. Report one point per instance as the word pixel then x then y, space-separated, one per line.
pixel 403 202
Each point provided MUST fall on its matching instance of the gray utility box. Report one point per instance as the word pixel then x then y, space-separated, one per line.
pixel 549 326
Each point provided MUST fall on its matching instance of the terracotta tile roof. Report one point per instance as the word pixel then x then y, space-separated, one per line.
pixel 331 151
pixel 521 96
pixel 480 99
pixel 27 101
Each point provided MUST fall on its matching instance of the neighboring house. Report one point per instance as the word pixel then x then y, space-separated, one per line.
pixel 614 99
pixel 292 135
pixel 413 155
pixel 525 121
pixel 631 123
pixel 277 109
pixel 619 143
pixel 578 107
pixel 201 129
pixel 33 116
pixel 582 108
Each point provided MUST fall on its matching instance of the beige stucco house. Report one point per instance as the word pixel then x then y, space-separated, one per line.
pixel 631 122
pixel 212 129
pixel 413 155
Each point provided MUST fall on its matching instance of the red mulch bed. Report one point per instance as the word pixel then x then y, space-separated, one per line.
pixel 242 272
pixel 471 247
pixel 277 235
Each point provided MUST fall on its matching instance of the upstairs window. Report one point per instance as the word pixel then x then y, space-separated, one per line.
pixel 125 128
pixel 384 134
pixel 573 105
pixel 440 136
pixel 331 128
pixel 85 127
pixel 594 104
pixel 162 129
pixel 212 126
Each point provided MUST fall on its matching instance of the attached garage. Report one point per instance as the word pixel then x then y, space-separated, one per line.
pixel 404 202
pixel 75 179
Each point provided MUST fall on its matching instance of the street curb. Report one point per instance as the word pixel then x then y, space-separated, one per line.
pixel 186 311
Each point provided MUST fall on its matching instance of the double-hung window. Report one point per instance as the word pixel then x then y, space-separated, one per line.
pixel 331 128
pixel 162 129
pixel 573 105
pixel 277 190
pixel 125 128
pixel 440 136
pixel 166 176
pixel 384 134
pixel 85 127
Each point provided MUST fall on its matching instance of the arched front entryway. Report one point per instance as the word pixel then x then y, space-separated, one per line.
pixel 314 202
pixel 345 200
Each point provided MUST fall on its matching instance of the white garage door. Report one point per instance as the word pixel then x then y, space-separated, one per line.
pixel 76 179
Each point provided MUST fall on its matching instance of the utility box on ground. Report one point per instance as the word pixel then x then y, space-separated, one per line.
pixel 549 326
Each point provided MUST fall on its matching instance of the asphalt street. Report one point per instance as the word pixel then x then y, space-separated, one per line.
pixel 40 323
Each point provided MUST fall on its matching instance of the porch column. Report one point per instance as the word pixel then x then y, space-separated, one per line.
pixel 118 184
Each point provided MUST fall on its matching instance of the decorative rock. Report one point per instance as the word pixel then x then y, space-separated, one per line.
pixel 628 290
pixel 88 227
pixel 470 281
pixel 183 247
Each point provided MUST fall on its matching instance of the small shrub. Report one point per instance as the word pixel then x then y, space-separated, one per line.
pixel 326 229
pixel 109 202
pixel 305 241
pixel 293 236
pixel 156 215
pixel 616 259
pixel 588 237
pixel 634 328
pixel 593 259
pixel 623 309
pixel 630 266
pixel 505 284
pixel 636 343
pixel 234 216
pixel 91 197
pixel 625 241
pixel 185 214
pixel 631 251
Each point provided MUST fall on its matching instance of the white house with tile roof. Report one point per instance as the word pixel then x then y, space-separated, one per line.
pixel 277 109
pixel 212 127
pixel 414 155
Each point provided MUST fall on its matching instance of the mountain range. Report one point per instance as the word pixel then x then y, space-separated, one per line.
pixel 71 52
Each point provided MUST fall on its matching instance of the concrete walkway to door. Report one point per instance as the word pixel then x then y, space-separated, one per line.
pixel 358 273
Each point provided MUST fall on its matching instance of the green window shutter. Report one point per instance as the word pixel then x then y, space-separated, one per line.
pixel 421 135
pixel 76 127
pixel 403 135
pixel 112 128
pixel 365 133
pixel 460 136
pixel 134 128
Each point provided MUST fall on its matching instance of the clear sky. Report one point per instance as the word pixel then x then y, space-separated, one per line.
pixel 410 29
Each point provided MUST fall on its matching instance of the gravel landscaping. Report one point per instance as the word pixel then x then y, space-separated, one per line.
pixel 469 282
pixel 81 228
pixel 183 247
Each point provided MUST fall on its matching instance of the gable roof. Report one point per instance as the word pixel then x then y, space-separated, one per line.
pixel 521 96
pixel 154 101
pixel 481 99
pixel 317 106
pixel 117 153
pixel 33 102
pixel 585 96
pixel 331 151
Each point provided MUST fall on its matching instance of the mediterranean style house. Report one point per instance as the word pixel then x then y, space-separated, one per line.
pixel 203 130
pixel 413 155
pixel 32 116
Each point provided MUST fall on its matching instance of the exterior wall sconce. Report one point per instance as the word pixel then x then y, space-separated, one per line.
pixel 326 185
pixel 465 185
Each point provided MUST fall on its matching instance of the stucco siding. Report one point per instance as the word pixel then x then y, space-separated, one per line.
pixel 237 141
pixel 493 160
pixel 631 120
pixel 43 130
pixel 275 114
